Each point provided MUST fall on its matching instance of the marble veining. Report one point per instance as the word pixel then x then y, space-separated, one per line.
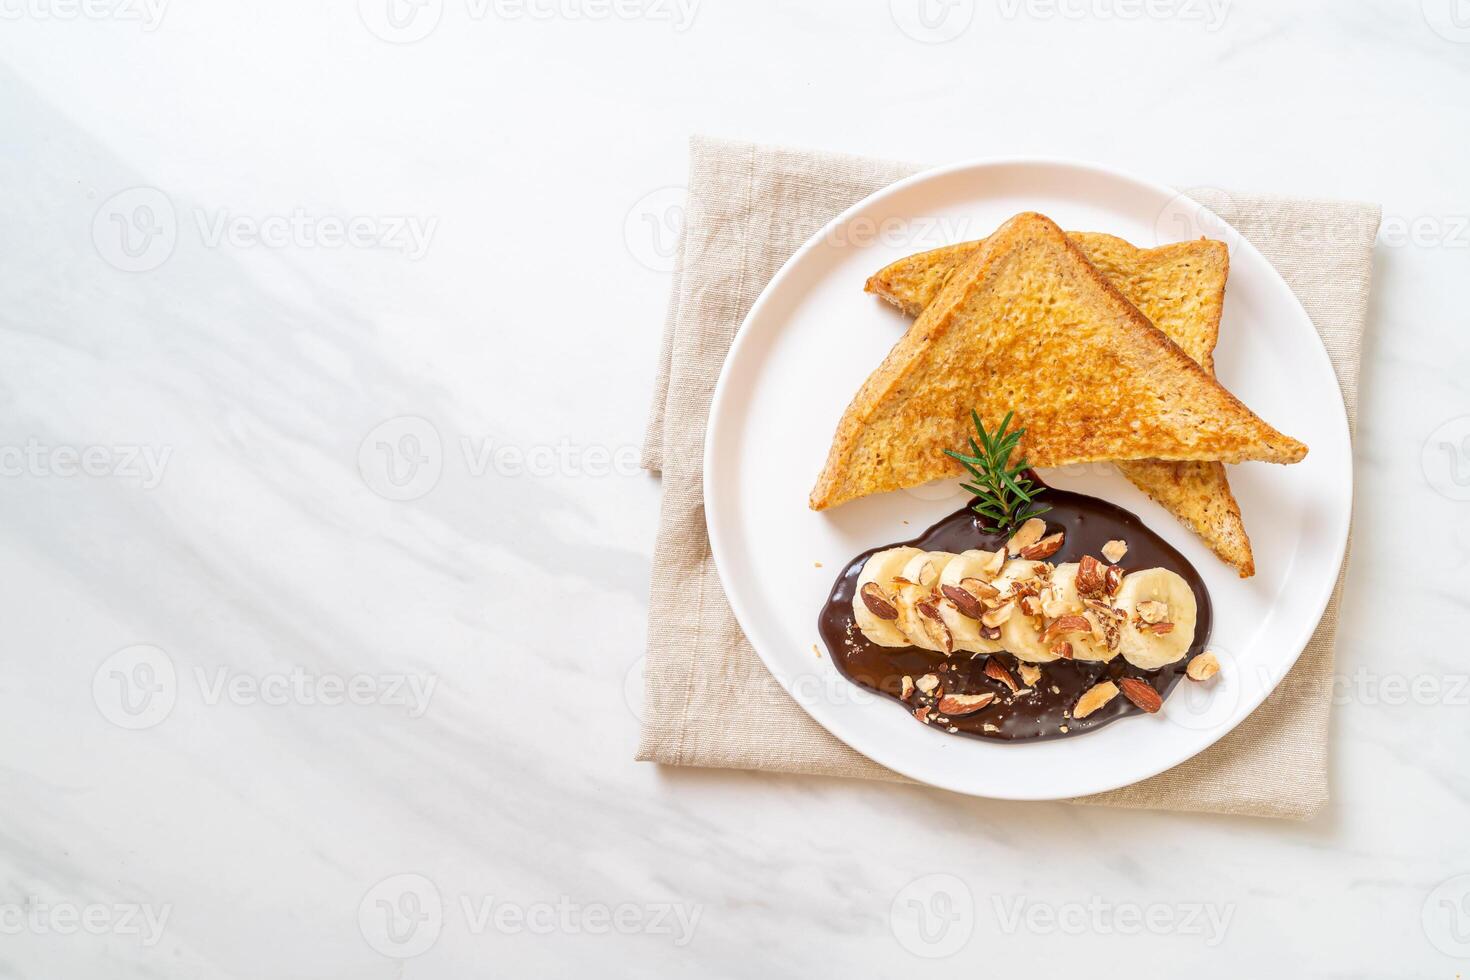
pixel 328 333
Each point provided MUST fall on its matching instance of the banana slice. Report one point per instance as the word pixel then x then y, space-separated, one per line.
pixel 964 583
pixel 1018 632
pixel 1161 612
pixel 1062 599
pixel 878 572
pixel 915 594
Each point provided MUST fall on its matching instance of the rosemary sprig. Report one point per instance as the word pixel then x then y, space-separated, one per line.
pixel 1004 495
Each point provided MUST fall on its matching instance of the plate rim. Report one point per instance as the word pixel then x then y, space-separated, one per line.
pixel 711 467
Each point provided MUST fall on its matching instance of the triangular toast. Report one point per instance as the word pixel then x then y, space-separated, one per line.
pixel 1027 324
pixel 1181 288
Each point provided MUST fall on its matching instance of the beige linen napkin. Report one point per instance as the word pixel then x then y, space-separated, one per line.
pixel 709 701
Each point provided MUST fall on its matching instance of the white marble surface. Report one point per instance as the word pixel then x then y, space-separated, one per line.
pixel 233 561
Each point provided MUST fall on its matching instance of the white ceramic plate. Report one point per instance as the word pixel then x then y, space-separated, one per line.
pixel 814 336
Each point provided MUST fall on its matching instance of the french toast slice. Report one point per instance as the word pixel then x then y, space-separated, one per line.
pixel 1028 324
pixel 1181 288
pixel 1182 285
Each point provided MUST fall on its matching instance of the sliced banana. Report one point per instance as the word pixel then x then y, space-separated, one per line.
pixel 1018 633
pixel 1150 646
pixel 922 573
pixel 1062 599
pixel 972 567
pixel 902 601
pixel 879 571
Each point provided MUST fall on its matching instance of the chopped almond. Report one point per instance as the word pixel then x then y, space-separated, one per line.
pixel 1044 548
pixel 958 705
pixel 1203 667
pixel 1152 611
pixel 996 670
pixel 1029 533
pixel 1095 698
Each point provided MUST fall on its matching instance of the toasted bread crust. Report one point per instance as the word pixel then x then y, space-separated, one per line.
pixel 911 284
pixel 1198 494
pixel 1181 288
pixel 1028 324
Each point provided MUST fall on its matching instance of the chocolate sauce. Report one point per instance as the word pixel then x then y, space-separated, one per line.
pixel 1089 523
